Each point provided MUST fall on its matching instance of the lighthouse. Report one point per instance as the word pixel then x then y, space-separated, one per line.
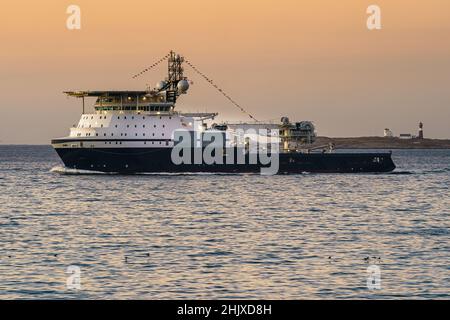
pixel 420 130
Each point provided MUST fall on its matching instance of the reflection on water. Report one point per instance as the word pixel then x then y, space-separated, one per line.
pixel 215 236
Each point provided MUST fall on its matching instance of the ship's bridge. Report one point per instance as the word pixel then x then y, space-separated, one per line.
pixel 149 101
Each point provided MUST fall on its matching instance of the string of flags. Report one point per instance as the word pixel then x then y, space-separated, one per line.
pixel 203 76
pixel 220 90
pixel 152 66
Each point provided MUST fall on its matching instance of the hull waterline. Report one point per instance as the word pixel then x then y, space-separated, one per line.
pixel 154 160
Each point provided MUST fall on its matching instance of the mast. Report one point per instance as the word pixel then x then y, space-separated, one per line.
pixel 176 82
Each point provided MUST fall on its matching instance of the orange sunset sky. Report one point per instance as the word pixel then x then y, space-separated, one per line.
pixel 310 60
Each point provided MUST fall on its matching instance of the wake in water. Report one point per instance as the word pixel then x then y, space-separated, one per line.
pixel 401 172
pixel 432 171
pixel 69 171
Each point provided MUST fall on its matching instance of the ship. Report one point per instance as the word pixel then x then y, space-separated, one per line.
pixel 133 132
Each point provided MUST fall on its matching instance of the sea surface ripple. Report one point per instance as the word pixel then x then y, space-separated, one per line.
pixel 223 236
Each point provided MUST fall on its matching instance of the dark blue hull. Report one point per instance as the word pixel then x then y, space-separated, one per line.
pixel 158 160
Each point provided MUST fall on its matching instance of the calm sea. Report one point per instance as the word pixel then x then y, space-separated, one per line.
pixel 223 236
